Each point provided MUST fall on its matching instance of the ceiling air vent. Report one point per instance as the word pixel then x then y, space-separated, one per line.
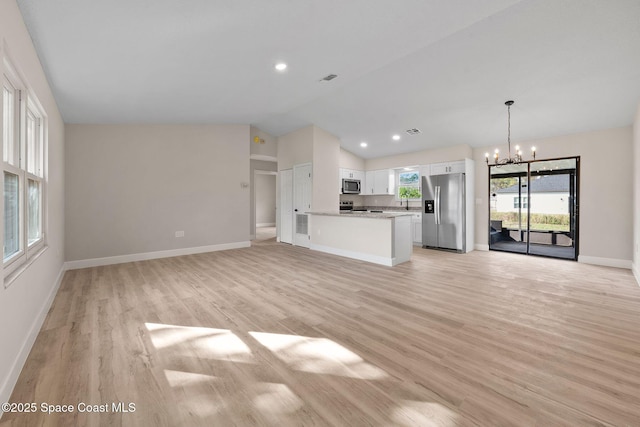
pixel 413 131
pixel 328 78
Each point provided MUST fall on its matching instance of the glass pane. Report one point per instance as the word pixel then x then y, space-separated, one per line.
pixel 409 192
pixel 409 185
pixel 31 143
pixel 34 210
pixel 552 208
pixel 11 215
pixel 508 202
pixel 7 124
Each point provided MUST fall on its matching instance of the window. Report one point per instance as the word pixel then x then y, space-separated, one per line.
pixel 516 202
pixel 23 173
pixel 408 186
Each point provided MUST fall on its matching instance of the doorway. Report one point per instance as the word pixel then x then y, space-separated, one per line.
pixel 533 208
pixel 264 205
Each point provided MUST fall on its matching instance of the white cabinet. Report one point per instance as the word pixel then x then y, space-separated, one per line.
pixel 379 182
pixel 351 174
pixel 416 228
pixel 448 167
pixel 369 182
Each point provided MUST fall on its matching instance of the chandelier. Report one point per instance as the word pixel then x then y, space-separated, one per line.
pixel 517 158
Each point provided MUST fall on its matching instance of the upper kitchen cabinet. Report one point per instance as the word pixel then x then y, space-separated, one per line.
pixel 447 167
pixel 379 182
pixel 351 174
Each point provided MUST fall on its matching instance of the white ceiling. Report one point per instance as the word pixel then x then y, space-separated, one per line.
pixel 443 66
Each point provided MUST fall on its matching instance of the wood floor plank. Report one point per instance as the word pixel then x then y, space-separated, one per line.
pixel 276 335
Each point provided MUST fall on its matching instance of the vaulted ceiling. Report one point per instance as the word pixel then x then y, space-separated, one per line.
pixel 445 67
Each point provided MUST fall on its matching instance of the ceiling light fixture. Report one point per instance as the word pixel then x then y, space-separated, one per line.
pixel 518 154
pixel 281 66
pixel 363 144
pixel 396 137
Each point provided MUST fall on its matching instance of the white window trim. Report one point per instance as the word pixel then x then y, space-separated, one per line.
pixel 397 189
pixel 25 100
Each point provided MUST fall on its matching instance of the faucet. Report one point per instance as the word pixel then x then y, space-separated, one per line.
pixel 407 207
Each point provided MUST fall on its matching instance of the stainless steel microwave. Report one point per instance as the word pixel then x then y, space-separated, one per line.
pixel 350 186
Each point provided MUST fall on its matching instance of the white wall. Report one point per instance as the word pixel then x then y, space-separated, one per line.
pixel 25 302
pixel 131 187
pixel 541 203
pixel 295 148
pixel 606 208
pixel 636 195
pixel 425 157
pixel 265 188
pixel 348 160
pixel 326 157
pixel 318 147
pixel 268 145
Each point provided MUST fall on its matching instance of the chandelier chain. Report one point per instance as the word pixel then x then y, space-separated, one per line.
pixel 509 128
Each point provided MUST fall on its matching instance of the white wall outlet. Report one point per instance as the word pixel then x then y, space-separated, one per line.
pixel 179 233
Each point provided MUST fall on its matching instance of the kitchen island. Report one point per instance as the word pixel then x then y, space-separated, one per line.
pixel 382 238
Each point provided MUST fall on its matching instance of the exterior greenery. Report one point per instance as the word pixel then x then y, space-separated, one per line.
pixel 409 193
pixel 556 222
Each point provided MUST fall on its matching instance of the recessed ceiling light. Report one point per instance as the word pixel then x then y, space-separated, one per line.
pixel 396 137
pixel 281 66
pixel 363 144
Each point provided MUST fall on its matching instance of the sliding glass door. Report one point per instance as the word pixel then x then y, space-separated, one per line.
pixel 533 208
pixel 508 202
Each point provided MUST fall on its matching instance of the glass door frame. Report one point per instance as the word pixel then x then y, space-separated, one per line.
pixel 574 202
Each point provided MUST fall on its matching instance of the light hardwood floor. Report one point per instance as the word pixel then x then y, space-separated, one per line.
pixel 282 336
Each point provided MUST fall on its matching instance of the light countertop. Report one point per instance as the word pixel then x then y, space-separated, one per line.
pixel 375 215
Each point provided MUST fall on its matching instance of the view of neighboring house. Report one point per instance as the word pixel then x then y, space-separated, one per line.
pixel 549 194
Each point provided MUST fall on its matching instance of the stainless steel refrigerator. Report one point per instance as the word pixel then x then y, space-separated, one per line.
pixel 443 215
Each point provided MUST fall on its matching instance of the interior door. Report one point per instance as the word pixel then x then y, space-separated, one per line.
pixel 286 206
pixel 302 192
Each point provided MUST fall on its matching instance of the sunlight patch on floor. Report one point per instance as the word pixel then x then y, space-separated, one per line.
pixel 415 413
pixel 318 355
pixel 220 344
pixel 186 379
pixel 195 395
pixel 193 391
pixel 276 398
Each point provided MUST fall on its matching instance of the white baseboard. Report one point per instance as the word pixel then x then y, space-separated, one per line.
pixel 266 224
pixel 390 262
pixel 96 262
pixel 636 273
pixel 30 339
pixel 607 262
pixel 479 247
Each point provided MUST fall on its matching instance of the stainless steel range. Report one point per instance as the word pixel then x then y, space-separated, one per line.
pixel 346 206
